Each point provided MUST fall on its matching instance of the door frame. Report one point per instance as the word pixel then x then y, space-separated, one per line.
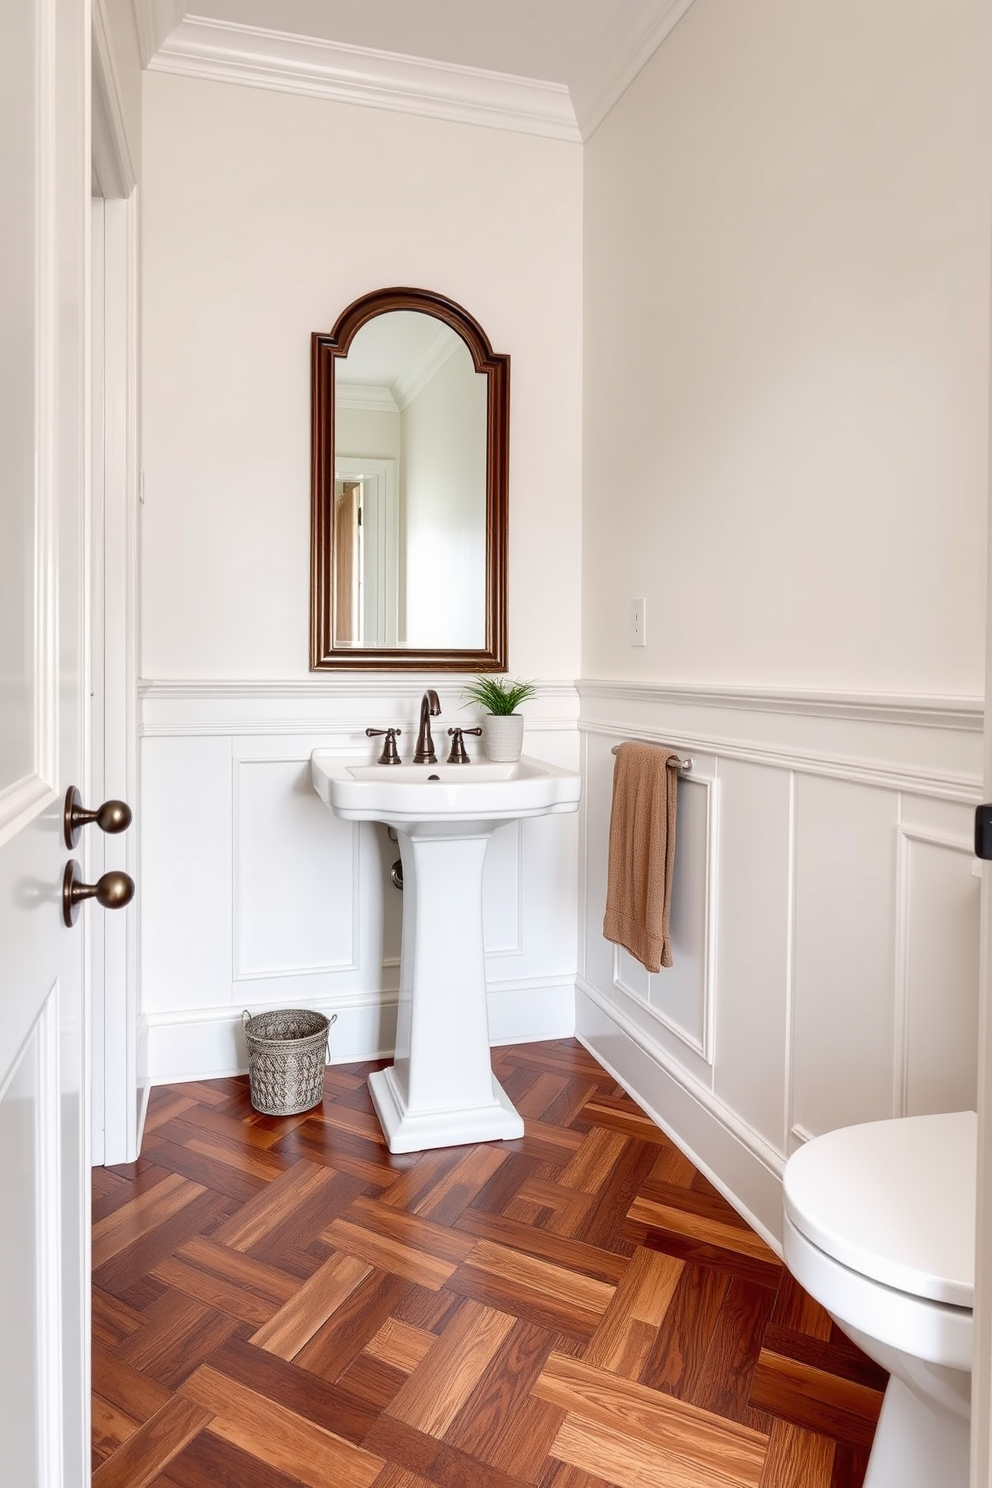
pixel 118 1093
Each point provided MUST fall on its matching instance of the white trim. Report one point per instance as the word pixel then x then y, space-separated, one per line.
pixel 205 1043
pixel 117 768
pixel 790 968
pixel 380 546
pixel 755 1143
pixel 413 379
pixel 367 684
pixel 915 709
pixel 316 706
pixel 905 837
pixel 155 20
pixel 223 51
pixel 370 396
pixel 112 163
pixel 197 46
pixel 765 1164
pixel 51 1473
pixel 900 969
pixel 948 787
pixel 632 40
pixel 49 359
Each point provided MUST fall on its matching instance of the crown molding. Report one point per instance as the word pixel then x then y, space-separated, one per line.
pixel 195 46
pixel 369 396
pixel 630 42
pixel 439 349
pixel 113 167
pixel 155 20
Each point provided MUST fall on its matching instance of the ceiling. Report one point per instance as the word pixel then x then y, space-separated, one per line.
pixel 550 67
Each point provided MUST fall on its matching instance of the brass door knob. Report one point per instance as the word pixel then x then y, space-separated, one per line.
pixel 112 816
pixel 113 890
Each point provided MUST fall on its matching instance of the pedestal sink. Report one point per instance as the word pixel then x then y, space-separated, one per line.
pixel 440 1090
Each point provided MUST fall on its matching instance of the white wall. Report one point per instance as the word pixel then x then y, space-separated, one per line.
pixel 787 248
pixel 786 350
pixel 263 216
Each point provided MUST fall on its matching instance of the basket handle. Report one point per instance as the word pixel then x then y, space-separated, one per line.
pixel 327 1046
pixel 245 1019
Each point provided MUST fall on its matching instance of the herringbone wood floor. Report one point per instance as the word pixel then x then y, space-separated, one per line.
pixel 279 1301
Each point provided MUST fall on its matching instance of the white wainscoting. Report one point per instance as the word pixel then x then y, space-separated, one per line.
pixel 254 895
pixel 825 915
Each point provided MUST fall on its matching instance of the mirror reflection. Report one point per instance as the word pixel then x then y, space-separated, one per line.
pixel 410 488
pixel 410 427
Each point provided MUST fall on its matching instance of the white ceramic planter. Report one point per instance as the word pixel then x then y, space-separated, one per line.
pixel 504 734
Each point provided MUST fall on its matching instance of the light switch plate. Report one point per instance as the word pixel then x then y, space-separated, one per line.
pixel 637 623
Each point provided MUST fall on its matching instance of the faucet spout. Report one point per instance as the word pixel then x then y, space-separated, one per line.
pixel 429 708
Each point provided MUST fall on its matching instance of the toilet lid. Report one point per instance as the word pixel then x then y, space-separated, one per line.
pixel 893 1200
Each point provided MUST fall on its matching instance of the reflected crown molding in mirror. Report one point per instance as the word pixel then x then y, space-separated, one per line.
pixel 409 499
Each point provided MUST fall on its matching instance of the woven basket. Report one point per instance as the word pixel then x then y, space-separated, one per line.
pixel 287 1051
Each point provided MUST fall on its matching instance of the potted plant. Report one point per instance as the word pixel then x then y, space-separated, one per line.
pixel 503 725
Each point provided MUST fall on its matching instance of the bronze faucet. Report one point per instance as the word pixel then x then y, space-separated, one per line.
pixel 429 708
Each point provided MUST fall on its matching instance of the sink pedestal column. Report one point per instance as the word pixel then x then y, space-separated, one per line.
pixel 440 1091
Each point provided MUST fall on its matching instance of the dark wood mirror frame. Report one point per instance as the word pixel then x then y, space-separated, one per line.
pixel 325 349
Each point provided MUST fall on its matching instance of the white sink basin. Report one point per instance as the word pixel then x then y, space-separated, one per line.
pixel 442 793
pixel 440 1090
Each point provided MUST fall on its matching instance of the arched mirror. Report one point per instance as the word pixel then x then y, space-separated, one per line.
pixel 410 410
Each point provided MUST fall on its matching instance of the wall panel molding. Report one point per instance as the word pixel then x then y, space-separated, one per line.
pixel 847 905
pixel 295 906
pixel 915 710
pixel 244 914
pixel 912 911
pixel 945 785
pixel 344 705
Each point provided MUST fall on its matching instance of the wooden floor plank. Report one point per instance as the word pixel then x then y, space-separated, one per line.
pixel 625 1337
pixel 622 1407
pixel 283 1303
pixel 141 1216
pixel 797 1459
pixel 816 1400
pixel 436 1390
pixel 501 1422
pixel 296 1322
pixel 210 1462
pixel 280 1437
pixel 145 1453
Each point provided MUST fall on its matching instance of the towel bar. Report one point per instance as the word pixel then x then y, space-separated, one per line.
pixel 682 765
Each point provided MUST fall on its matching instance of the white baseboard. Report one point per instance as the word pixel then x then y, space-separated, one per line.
pixel 735 1160
pixel 209 1043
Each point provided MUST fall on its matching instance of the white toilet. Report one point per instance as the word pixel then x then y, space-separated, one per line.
pixel 880 1229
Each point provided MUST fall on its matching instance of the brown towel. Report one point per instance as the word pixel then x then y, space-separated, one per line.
pixel 642 853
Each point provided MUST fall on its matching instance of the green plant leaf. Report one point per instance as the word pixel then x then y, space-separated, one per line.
pixel 500 695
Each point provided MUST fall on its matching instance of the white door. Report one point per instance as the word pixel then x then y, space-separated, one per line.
pixel 44 1227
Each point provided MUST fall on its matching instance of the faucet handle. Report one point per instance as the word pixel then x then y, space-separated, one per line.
pixel 389 755
pixel 458 755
